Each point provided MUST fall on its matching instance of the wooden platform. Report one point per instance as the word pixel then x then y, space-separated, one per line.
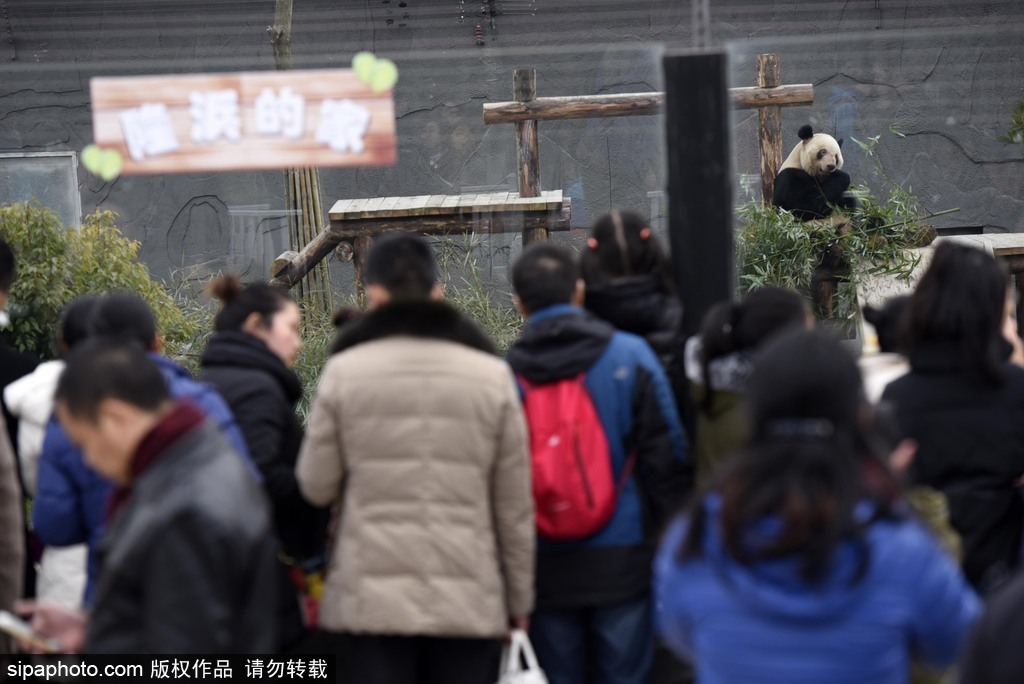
pixel 489 212
pixel 358 221
pixel 443 205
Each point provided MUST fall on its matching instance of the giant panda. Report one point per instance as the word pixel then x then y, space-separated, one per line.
pixel 811 179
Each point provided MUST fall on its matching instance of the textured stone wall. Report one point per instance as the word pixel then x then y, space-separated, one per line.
pixel 945 74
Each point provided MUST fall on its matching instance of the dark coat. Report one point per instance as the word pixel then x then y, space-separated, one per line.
pixel 971 448
pixel 187 564
pixel 988 659
pixel 13 365
pixel 71 497
pixel 262 393
pixel 635 405
pixel 639 305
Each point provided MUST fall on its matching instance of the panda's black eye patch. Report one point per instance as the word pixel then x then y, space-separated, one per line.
pixel 822 153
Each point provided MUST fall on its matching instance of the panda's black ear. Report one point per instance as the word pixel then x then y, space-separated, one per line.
pixel 805 132
pixel 840 143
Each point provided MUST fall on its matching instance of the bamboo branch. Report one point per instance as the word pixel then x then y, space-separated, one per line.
pixel 918 218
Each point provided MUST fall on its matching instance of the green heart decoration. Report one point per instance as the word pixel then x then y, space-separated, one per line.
pixel 379 74
pixel 106 164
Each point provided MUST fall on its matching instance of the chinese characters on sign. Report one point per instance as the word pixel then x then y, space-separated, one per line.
pixel 148 131
pixel 257 120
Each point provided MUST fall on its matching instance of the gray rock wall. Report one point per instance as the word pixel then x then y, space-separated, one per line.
pixel 945 74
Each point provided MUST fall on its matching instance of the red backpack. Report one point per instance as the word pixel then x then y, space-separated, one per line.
pixel 574 489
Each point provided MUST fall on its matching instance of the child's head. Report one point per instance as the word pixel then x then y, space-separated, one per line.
pixel 741 326
pixel 400 266
pixel 621 244
pixel 889 322
pixel 76 322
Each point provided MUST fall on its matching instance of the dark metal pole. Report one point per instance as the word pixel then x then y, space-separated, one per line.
pixel 699 180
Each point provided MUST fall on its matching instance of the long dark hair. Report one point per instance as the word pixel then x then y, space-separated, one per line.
pixel 809 463
pixel 621 244
pixel 731 327
pixel 960 303
pixel 239 301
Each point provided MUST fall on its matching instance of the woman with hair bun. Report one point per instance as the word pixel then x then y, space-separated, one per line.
pixel 719 363
pixel 249 360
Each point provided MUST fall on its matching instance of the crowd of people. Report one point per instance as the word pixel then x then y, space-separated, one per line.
pixel 751 504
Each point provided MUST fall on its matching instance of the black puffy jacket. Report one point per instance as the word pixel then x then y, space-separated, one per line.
pixel 262 393
pixel 970 437
pixel 639 305
pixel 188 563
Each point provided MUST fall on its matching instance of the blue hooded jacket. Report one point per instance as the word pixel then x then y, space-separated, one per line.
pixel 635 405
pixel 762 623
pixel 71 498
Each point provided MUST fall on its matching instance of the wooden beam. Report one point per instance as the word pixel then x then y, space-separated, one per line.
pixel 634 104
pixel 782 96
pixel 769 125
pixel 582 107
pixel 442 225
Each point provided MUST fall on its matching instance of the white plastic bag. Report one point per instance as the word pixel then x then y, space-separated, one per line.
pixel 512 670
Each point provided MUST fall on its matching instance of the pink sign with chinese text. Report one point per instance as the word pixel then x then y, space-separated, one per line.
pixel 244 121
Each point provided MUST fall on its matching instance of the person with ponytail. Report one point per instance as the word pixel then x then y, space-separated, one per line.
pixel 799 562
pixel 629 284
pixel 720 360
pixel 249 360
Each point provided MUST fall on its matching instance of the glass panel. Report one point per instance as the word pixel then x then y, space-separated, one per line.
pixel 50 179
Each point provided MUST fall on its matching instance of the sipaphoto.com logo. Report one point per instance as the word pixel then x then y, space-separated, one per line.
pixel 61 670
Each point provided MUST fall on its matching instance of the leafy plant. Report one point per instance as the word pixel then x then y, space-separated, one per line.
pixel 774 248
pixel 56 264
pixel 468 292
pixel 1016 133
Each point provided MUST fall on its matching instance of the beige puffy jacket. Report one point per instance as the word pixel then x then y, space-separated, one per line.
pixel 424 439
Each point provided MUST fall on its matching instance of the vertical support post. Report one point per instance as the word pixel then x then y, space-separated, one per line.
pixel 360 248
pixel 524 85
pixel 699 180
pixel 769 119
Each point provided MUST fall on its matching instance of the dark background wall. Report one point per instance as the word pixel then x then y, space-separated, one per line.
pixel 946 75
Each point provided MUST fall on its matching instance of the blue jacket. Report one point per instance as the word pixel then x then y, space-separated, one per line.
pixel 635 405
pixel 71 498
pixel 762 623
pixel 181 385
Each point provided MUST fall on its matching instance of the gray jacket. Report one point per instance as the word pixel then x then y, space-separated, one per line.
pixel 188 564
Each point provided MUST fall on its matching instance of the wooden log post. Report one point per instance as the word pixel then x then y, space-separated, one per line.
pixel 769 119
pixel 360 248
pixel 524 86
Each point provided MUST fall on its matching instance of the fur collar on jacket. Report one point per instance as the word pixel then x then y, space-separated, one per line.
pixel 420 318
